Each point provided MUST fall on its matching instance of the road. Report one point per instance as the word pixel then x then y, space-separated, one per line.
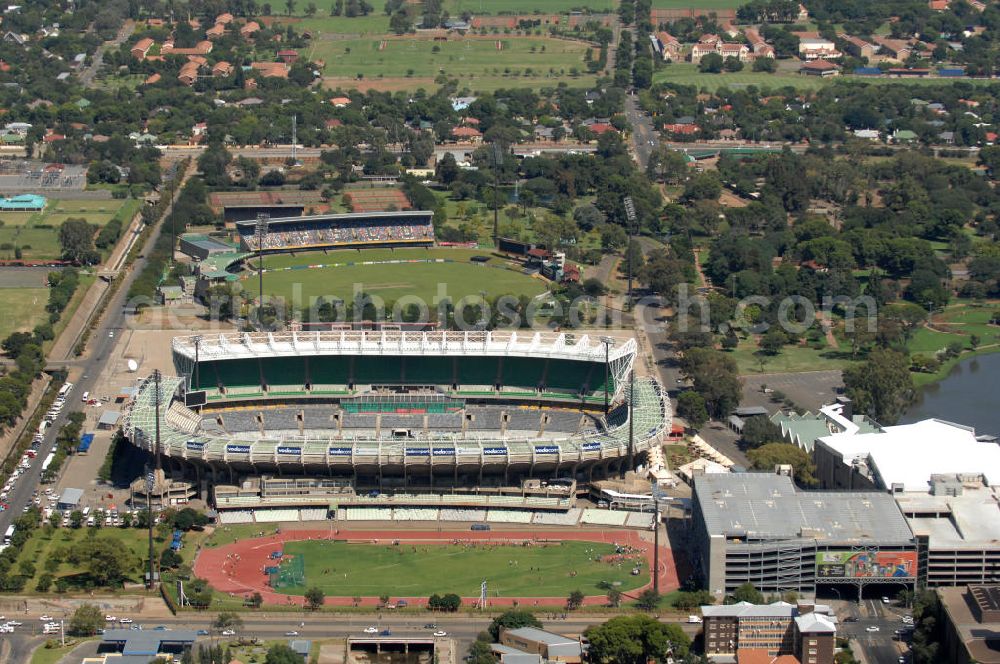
pixel 88 74
pixel 462 628
pixel 90 366
pixel 644 136
pixel 878 646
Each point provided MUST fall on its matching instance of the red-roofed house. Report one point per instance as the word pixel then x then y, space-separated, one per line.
pixel 601 128
pixel 991 137
pixel 222 68
pixel 203 47
pixel 189 73
pixel 682 129
pixel 467 134
pixel 333 123
pixel 141 48
pixel 250 29
pixel 340 102
pixel 155 78
pixel 224 19
pixel 938 5
pixel 216 31
pixel 288 56
pixel 271 69
pixel 821 68
pixel 667 46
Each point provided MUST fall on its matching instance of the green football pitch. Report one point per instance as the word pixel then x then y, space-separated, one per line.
pixel 370 570
pixel 344 272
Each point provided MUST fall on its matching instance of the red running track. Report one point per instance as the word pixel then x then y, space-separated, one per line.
pixel 237 568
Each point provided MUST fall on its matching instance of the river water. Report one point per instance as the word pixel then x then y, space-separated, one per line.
pixel 969 395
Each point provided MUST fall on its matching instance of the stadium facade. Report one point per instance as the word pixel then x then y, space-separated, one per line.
pixel 411 408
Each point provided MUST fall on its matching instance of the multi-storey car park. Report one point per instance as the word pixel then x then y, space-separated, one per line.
pixel 393 409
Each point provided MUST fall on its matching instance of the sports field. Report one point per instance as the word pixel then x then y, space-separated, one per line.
pixel 480 63
pixel 345 569
pixel 697 4
pixel 23 309
pixel 37 233
pixel 391 281
pixel 456 7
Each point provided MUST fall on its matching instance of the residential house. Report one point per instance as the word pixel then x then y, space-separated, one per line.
pixel 903 136
pixel 857 46
pixel 222 68
pixel 15 38
pixel 288 56
pixel 141 48
pixel 667 46
pixel 712 44
pixel 938 5
pixel 894 49
pixel 203 47
pixel 189 73
pixel 155 78
pixel 216 31
pixel 270 69
pixel 679 129
pixel 340 102
pixel 250 29
pixel 821 68
pixel 601 128
pixel 467 134
pixel 224 19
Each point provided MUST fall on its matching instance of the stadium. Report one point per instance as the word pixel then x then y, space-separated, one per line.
pixel 385 409
pixel 369 229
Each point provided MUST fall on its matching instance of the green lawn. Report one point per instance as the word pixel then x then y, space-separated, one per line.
pixel 37 234
pixel 390 282
pixel 376 23
pixel 456 7
pixel 43 655
pixel 406 571
pixel 477 63
pixel 697 4
pixel 685 73
pixel 791 359
pixel 24 307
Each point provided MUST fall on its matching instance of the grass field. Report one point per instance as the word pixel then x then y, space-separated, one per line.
pixel 390 282
pixel 376 23
pixel 408 571
pixel 37 233
pixel 456 7
pixel 477 63
pixel 791 359
pixel 696 4
pixel 24 307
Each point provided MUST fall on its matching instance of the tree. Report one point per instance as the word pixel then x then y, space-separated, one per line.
pixel 882 386
pixel 512 619
pixel 648 599
pixel 636 639
pixel 715 377
pixel 449 602
pixel 289 6
pixel 764 65
pixel 711 64
pixel 314 598
pixel 75 519
pixel 282 653
pixel 213 163
pixel 574 601
pixel 227 620
pixel 86 620
pixel 691 406
pixel 760 430
pixel 189 518
pixel 766 457
pixel 76 239
pixel 773 341
pixel 688 600
pixel 614 597
pixel 745 593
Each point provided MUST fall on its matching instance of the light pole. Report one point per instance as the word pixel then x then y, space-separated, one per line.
pixel 151 475
pixel 631 422
pixel 497 163
pixel 630 219
pixel 197 347
pixel 262 223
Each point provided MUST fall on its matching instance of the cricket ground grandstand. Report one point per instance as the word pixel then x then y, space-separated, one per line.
pixel 401 228
pixel 401 409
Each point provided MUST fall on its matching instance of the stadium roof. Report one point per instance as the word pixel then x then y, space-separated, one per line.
pixel 251 224
pixel 909 454
pixel 542 345
pixel 767 506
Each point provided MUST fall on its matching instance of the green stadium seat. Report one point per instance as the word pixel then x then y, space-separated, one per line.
pixel 231 373
pixel 284 371
pixel 330 370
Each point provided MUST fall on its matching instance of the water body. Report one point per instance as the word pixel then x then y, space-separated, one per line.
pixel 968 395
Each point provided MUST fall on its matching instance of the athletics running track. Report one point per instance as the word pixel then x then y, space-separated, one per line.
pixel 237 568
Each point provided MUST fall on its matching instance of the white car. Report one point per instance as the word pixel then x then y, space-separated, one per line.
pixel 292 633
pixel 45 618
pixel 371 630
pixel 14 623
pixel 871 628
pixel 125 621
pixel 228 632
pixel 440 632
pixel 110 619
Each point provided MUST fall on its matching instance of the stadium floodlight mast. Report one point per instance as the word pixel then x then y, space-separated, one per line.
pixel 497 163
pixel 196 339
pixel 608 343
pixel 263 220
pixel 630 228
pixel 151 474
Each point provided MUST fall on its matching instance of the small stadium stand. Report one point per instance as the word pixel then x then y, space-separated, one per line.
pixel 362 229
pixel 604 517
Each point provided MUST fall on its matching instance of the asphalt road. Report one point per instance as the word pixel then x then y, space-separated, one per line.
pixel 644 136
pixel 878 646
pixel 102 342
